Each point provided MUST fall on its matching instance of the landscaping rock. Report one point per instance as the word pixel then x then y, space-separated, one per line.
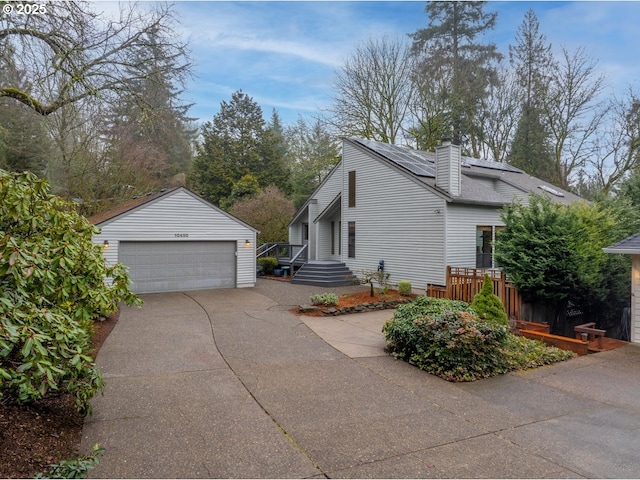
pixel 365 307
pixel 307 308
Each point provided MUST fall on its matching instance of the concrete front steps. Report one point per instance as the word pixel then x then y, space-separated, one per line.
pixel 324 274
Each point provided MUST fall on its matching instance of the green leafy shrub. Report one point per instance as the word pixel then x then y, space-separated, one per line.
pixel 324 299
pixel 76 467
pixel 52 284
pixel 522 353
pixel 404 287
pixel 488 306
pixel 403 334
pixel 268 264
pixel 458 346
pixel 446 338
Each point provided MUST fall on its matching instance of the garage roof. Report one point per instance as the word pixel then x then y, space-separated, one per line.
pixel 630 245
pixel 102 217
pixel 138 202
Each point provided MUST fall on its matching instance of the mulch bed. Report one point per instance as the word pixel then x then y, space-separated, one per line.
pixel 48 431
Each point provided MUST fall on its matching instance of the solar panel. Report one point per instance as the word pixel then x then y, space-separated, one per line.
pixel 422 163
pixel 479 162
pixel 413 160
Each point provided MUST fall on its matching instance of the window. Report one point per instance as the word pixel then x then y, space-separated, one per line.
pixel 485 236
pixel 484 246
pixel 333 238
pixel 339 238
pixel 305 233
pixel 352 188
pixel 352 240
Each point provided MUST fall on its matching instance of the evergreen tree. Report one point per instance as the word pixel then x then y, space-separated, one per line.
pixel 553 254
pixel 274 151
pixel 531 60
pixel 149 128
pixel 24 141
pixel 313 152
pixel 236 143
pixel 449 50
pixel 25 144
pixel 244 188
pixel 488 305
pixel 530 148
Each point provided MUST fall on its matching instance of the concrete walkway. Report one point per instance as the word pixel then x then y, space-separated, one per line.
pixel 228 384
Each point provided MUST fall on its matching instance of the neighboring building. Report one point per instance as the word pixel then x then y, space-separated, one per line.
pixel 417 211
pixel 174 240
pixel 631 246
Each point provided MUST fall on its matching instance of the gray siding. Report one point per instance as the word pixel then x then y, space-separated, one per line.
pixel 324 239
pixel 635 300
pixel 296 232
pixel 330 189
pixel 462 221
pixel 448 165
pixel 397 220
pixel 181 217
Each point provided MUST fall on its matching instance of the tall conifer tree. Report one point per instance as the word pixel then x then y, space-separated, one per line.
pixel 531 60
pixel 449 49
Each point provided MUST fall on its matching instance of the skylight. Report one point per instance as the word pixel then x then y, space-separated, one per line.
pixel 550 190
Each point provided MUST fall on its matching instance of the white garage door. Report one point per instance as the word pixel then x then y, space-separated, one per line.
pixel 176 266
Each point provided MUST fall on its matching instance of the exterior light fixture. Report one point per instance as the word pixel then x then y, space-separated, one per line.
pixel 105 244
pixel 247 244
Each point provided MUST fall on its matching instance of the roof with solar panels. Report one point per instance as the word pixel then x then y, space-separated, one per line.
pixel 483 181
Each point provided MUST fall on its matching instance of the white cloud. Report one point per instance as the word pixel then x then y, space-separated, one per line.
pixel 271 45
pixel 284 54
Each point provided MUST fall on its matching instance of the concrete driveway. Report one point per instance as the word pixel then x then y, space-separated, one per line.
pixel 228 384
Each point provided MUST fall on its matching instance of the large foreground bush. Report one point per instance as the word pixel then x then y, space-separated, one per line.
pixel 51 288
pixel 405 336
pixel 448 339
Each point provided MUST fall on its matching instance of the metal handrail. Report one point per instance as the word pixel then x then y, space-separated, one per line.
pixel 264 249
pixel 300 252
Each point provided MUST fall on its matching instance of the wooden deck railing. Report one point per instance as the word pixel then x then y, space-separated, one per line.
pixel 464 283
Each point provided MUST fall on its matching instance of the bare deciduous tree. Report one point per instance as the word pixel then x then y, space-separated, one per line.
pixel 429 109
pixel 269 211
pixel 70 52
pixel 499 117
pixel 619 144
pixel 373 90
pixel 573 113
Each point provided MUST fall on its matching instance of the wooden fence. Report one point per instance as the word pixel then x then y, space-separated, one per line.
pixel 464 283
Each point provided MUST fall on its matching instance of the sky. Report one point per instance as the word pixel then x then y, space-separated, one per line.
pixel 286 54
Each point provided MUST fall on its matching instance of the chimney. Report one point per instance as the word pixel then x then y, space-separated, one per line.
pixel 448 167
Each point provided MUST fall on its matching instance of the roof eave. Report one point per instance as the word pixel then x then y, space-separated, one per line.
pixel 467 201
pixel 622 250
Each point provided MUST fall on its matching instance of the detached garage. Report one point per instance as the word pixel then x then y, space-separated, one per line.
pixel 174 240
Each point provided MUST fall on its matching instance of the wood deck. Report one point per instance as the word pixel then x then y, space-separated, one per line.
pixel 607 344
